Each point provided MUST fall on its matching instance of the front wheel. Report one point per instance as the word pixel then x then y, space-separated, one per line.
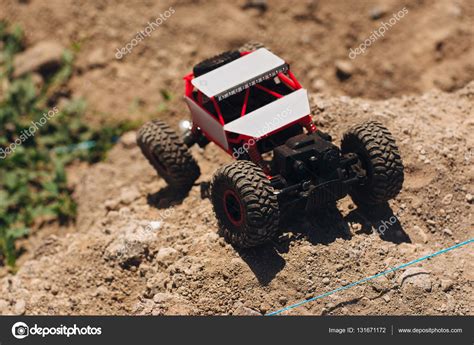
pixel 245 204
pixel 168 154
pixel 380 157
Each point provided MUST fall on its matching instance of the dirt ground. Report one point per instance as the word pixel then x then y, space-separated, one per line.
pixel 136 250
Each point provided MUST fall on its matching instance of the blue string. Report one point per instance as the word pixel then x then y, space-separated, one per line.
pixel 370 278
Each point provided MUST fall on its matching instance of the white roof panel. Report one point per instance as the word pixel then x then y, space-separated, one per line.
pixel 272 116
pixel 240 74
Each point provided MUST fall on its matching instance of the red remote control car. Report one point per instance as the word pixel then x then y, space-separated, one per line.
pixel 251 105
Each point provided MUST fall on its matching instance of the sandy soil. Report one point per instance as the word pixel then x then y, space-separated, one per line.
pixel 117 260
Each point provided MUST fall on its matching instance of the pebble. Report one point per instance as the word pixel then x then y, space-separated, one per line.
pixel 325 281
pixel 97 57
pixel 166 255
pixel 377 12
pixel 318 84
pixel 258 4
pixel 128 140
pixel 446 284
pixel 447 232
pixel 20 307
pixel 447 199
pixel 344 69
pixel 469 198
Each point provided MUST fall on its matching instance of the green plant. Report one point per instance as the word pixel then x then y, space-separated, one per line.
pixel 33 182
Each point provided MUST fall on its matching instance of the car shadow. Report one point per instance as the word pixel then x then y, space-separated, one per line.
pixel 380 219
pixel 166 197
pixel 267 261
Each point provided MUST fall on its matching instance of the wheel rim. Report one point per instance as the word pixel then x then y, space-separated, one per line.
pixel 233 207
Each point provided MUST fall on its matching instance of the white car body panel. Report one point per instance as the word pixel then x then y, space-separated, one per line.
pixel 240 74
pixel 272 116
pixel 207 123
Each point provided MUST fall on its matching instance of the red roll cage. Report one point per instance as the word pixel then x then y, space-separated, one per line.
pixel 289 80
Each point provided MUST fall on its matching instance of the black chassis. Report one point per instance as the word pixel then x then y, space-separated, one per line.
pixel 310 167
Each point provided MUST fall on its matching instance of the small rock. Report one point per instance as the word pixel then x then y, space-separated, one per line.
pixel 446 284
pixel 97 58
pixel 416 277
pixel 54 289
pixel 130 246
pixel 447 232
pixel 19 307
pixel 258 4
pixel 447 199
pixel 377 12
pixel 47 54
pixel 162 297
pixel 242 310
pixel 469 198
pixel 344 69
pixel 128 140
pixel 166 255
pixel 283 300
pixel 129 195
pixel 318 85
pixel 326 281
pixel 154 225
pixel 112 204
pixel 386 298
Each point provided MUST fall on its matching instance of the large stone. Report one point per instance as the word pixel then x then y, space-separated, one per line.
pixel 166 255
pixel 45 54
pixel 344 69
pixel 417 278
pixel 130 247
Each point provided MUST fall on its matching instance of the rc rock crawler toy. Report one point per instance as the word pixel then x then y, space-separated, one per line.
pixel 251 105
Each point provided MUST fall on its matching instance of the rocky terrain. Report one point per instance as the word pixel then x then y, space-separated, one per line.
pixel 135 249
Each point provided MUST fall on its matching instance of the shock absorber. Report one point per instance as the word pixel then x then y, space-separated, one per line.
pixel 257 158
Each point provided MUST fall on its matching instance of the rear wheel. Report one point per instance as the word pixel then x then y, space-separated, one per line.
pixel 168 154
pixel 214 62
pixel 245 204
pixel 380 157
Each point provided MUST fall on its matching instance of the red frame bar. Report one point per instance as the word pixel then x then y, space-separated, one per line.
pixel 267 90
pixel 246 100
pixel 218 110
pixel 289 80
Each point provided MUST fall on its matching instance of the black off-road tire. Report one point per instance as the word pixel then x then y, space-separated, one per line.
pixel 246 207
pixel 216 61
pixel 380 157
pixel 168 154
